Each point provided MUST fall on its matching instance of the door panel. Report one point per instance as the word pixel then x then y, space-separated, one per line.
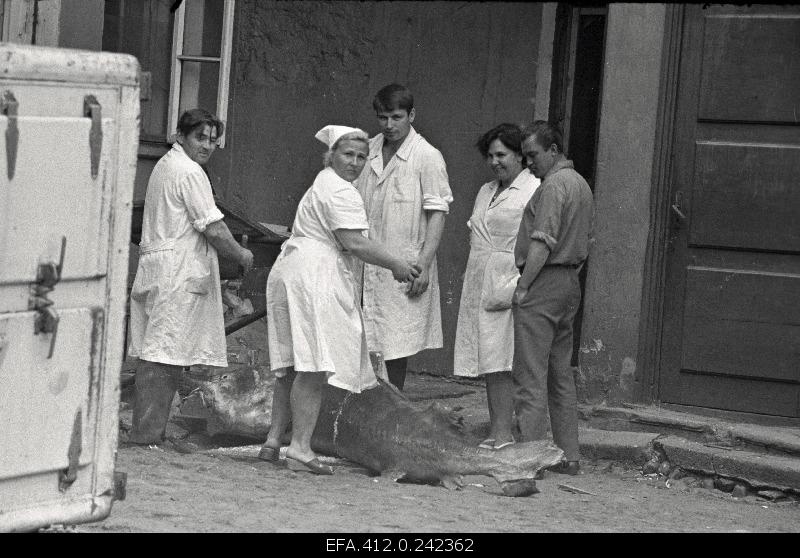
pixel 751 66
pixel 53 194
pixel 37 437
pixel 731 337
pixel 745 195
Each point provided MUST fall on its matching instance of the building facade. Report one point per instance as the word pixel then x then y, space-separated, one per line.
pixel 684 120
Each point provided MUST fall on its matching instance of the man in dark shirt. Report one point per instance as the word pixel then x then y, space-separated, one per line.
pixel 552 244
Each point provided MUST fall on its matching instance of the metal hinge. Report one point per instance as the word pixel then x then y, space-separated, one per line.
pixel 92 109
pixel 9 108
pixel 48 275
pixel 69 475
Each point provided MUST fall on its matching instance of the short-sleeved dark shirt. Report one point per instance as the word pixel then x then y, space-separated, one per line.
pixel 560 214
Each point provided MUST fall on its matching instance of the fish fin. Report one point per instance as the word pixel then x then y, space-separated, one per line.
pixel 452 483
pixel 440 415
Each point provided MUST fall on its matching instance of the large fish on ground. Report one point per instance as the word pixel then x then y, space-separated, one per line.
pixel 381 430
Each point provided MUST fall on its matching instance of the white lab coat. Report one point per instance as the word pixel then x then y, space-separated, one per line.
pixel 396 197
pixel 176 301
pixel 313 314
pixel 485 331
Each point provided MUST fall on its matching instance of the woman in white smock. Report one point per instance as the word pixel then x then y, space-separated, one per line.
pixel 315 328
pixel 484 343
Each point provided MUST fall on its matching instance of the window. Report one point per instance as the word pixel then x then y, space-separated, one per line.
pixel 184 50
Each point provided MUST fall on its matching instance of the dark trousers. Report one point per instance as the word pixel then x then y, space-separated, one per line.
pixel 396 370
pixel 156 384
pixel 542 372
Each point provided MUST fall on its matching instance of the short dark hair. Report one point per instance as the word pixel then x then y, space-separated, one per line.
pixel 196 117
pixel 509 135
pixel 392 97
pixel 547 134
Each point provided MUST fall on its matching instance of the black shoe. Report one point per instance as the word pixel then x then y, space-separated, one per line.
pixel 572 468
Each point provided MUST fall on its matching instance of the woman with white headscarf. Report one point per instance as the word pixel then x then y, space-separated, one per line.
pixel 315 328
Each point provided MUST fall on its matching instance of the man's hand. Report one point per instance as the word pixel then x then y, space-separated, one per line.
pixel 519 294
pixel 246 260
pixel 420 284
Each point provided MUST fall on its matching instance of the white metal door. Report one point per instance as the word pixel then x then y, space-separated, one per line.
pixel 68 137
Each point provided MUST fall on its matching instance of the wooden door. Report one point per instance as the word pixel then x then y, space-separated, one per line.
pixel 731 337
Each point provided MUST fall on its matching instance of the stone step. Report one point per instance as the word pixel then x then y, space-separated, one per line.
pixel 761 471
pixel 663 453
pixel 779 441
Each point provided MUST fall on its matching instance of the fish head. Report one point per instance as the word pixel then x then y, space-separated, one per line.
pixel 523 460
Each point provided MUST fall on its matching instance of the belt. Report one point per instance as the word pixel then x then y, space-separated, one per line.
pixel 571 266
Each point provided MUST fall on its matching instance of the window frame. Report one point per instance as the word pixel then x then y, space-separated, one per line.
pixel 224 61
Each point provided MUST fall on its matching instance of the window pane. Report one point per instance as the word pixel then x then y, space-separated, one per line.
pixel 202 35
pixel 199 81
pixel 143 28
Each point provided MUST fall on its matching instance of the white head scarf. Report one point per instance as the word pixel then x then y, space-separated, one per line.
pixel 331 133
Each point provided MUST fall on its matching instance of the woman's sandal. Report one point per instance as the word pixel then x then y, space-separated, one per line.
pixel 488 443
pixel 503 445
pixel 270 454
pixel 313 466
pixel 571 468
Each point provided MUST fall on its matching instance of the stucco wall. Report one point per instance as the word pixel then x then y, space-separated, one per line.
pixel 300 65
pixel 611 320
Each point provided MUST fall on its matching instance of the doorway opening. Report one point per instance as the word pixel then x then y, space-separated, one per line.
pixel 578 53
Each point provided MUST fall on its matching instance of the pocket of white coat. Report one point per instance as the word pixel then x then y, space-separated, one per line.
pixel 198 279
pixel 402 189
pixel 500 296
pixel 138 290
pixel 150 273
pixel 197 285
pixel 499 282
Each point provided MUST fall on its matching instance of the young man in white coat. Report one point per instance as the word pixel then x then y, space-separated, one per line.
pixel 407 196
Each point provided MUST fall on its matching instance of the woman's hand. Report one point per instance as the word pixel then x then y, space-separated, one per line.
pixel 420 284
pixel 405 272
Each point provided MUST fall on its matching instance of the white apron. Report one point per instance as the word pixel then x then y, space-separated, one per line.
pixel 313 313
pixel 176 314
pixel 485 331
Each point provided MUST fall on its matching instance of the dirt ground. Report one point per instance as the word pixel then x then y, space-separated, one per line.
pixel 230 490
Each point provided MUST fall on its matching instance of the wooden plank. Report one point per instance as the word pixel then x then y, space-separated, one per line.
pixel 746 196
pixel 17 21
pixel 741 295
pixel 745 348
pixel 750 67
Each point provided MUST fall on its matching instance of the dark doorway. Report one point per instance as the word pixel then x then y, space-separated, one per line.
pixel 578 49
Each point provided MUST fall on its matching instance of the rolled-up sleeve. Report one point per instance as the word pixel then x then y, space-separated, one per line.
pixel 345 210
pixel 547 215
pixel 195 191
pixel 436 194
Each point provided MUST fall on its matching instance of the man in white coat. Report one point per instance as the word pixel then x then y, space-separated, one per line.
pixel 407 195
pixel 176 301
